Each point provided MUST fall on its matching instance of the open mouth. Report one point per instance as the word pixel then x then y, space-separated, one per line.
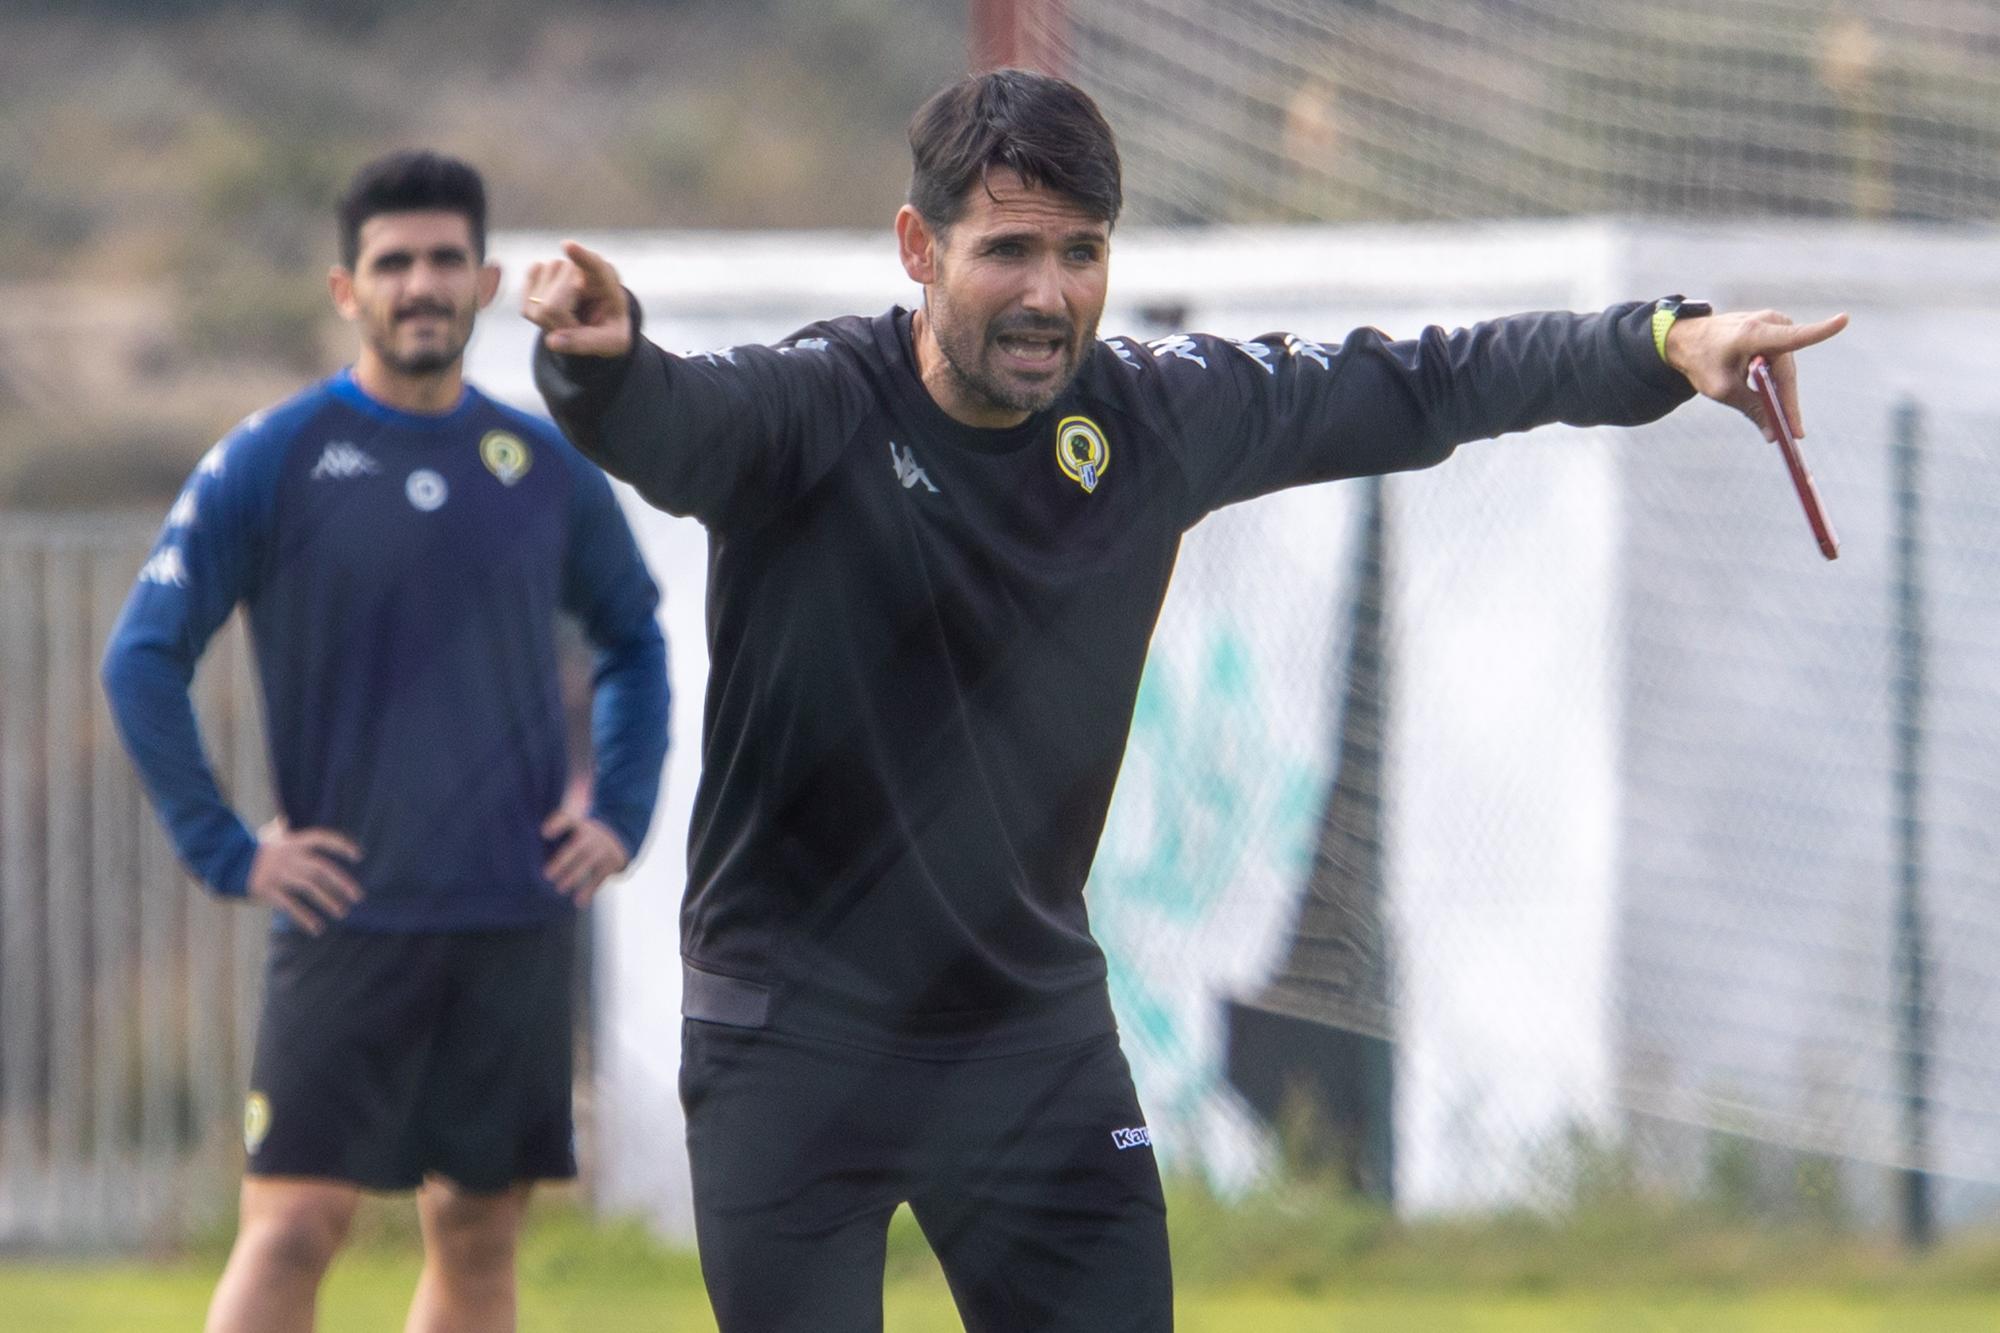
pixel 1032 351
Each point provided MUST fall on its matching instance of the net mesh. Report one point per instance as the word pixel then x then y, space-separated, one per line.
pixel 1641 789
pixel 1285 110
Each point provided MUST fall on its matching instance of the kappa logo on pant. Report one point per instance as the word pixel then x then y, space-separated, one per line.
pixel 1136 1137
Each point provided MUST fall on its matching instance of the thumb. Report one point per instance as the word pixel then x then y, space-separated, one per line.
pixel 560 822
pixel 589 340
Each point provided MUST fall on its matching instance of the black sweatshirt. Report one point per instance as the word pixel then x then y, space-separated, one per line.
pixel 925 638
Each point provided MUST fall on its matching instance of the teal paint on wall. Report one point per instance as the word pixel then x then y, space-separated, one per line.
pixel 1218 788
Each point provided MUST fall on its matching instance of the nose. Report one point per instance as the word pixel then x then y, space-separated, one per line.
pixel 425 279
pixel 1044 292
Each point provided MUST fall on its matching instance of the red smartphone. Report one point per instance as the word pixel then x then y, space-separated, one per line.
pixel 1767 389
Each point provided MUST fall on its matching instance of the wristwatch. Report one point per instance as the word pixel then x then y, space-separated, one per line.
pixel 1670 308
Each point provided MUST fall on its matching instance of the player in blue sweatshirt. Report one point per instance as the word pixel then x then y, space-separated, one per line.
pixel 402 545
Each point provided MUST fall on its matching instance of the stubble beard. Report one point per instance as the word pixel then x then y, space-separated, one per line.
pixel 429 361
pixel 965 350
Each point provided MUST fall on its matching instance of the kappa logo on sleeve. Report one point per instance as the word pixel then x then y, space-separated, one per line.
pixel 1298 346
pixel 1136 1137
pixel 1259 352
pixel 167 568
pixel 1177 345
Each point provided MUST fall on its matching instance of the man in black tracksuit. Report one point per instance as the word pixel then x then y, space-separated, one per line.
pixel 938 543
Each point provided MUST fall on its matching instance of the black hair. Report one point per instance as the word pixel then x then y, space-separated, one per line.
pixel 409 182
pixel 1045 129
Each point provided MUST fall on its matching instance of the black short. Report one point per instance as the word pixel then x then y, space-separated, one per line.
pixel 384 1058
pixel 1032 1176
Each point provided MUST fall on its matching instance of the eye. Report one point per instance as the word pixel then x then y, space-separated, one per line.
pixel 1007 249
pixel 1083 254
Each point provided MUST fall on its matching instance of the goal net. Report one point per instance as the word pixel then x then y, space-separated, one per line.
pixel 1296 110
pixel 1668 834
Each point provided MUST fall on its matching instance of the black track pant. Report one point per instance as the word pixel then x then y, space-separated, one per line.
pixel 1031 1175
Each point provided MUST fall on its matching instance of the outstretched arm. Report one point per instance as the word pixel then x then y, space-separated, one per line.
pixel 723 436
pixel 1281 411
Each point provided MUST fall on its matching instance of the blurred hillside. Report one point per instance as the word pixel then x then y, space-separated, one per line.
pixel 167 166
pixel 167 171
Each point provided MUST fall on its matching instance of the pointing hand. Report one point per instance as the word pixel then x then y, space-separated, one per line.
pixel 579 304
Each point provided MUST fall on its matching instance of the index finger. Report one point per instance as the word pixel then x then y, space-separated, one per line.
pixel 597 270
pixel 330 879
pixel 308 920
pixel 325 898
pixel 567 868
pixel 327 840
pixel 1775 340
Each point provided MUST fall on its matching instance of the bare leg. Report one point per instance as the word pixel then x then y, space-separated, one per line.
pixel 468 1281
pixel 288 1231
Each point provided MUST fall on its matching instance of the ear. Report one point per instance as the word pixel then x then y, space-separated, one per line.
pixel 489 284
pixel 918 246
pixel 340 285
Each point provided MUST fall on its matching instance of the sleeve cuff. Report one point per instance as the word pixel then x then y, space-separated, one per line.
pixel 228 874
pixel 620 829
pixel 1639 352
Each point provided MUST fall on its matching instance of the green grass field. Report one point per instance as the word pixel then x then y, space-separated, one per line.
pixel 1298 1261
pixel 369 1292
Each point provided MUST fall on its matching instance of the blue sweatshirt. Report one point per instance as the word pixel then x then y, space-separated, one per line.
pixel 402 575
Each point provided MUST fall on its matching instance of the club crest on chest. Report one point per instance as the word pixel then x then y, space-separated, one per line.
pixel 505 456
pixel 1082 452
